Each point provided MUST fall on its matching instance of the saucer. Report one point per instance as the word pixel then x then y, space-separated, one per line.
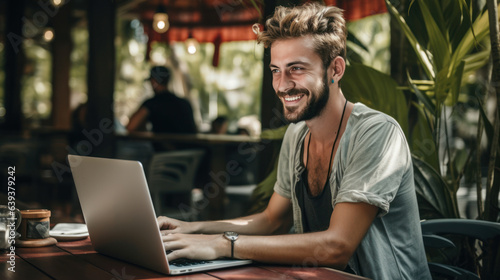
pixel 69 231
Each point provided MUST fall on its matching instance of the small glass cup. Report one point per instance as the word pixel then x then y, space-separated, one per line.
pixel 9 222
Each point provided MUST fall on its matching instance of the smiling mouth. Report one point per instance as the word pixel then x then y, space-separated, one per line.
pixel 293 98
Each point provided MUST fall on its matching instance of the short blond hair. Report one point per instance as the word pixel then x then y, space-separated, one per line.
pixel 325 24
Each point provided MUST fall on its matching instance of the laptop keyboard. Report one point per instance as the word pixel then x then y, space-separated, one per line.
pixel 187 262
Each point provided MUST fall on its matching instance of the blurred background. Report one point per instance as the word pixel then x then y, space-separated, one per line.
pixel 425 63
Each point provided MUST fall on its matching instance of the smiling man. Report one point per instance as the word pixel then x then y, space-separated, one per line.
pixel 345 178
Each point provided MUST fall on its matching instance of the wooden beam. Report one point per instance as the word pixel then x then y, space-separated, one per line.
pixel 101 77
pixel 14 64
pixel 61 64
pixel 271 107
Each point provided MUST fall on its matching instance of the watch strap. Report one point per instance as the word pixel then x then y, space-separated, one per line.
pixel 232 248
pixel 231 236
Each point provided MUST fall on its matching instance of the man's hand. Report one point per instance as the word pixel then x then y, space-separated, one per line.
pixel 169 225
pixel 196 246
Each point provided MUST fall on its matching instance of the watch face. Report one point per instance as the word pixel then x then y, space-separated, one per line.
pixel 231 235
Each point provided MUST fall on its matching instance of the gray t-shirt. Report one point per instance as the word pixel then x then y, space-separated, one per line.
pixel 372 165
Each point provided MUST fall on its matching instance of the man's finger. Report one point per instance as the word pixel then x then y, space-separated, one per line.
pixel 167 236
pixel 173 249
pixel 177 254
pixel 167 232
pixel 164 223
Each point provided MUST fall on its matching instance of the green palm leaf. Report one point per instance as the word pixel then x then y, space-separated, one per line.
pixel 376 90
pixel 419 50
pixel 434 196
pixel 479 31
pixel 439 46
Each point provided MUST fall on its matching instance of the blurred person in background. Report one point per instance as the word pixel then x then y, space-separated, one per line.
pixel 166 112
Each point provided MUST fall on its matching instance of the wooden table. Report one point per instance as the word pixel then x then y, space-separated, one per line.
pixel 78 260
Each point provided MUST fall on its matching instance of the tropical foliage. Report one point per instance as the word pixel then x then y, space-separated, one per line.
pixel 450 42
pixel 449 49
pixel 368 42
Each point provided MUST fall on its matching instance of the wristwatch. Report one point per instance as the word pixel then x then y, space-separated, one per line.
pixel 231 236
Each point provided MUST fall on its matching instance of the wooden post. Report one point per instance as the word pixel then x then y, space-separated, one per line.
pixel 271 107
pixel 61 62
pixel 14 64
pixel 101 77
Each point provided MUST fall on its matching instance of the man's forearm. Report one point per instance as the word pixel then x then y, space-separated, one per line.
pixel 257 224
pixel 334 247
pixel 311 249
pixel 275 219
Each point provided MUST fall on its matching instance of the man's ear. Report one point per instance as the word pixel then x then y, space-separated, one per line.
pixel 336 69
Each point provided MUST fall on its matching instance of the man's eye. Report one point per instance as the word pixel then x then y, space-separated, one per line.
pixel 275 71
pixel 296 68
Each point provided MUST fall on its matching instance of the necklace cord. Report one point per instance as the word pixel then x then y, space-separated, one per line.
pixel 334 143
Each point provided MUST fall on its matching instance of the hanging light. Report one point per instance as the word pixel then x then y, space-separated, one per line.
pixel 160 20
pixel 57 3
pixel 192 44
pixel 48 34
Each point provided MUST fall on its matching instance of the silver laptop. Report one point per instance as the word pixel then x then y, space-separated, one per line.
pixel 120 217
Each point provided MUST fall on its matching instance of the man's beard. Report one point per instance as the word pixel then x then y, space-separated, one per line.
pixel 314 106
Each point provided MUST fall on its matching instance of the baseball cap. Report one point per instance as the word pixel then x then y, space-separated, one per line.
pixel 160 73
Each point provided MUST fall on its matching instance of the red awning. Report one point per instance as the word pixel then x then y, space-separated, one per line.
pixel 229 20
pixel 358 9
pixel 219 21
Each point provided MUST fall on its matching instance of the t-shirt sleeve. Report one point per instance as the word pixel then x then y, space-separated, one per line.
pixel 283 182
pixel 375 168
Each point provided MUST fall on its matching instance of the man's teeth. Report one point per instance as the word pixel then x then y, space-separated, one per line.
pixel 292 98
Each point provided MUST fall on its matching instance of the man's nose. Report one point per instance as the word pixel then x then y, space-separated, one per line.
pixel 285 82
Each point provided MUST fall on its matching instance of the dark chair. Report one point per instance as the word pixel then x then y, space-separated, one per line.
pixel 432 231
pixel 173 173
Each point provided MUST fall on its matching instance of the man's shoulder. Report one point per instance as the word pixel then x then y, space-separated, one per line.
pixel 181 100
pixel 364 117
pixel 170 98
pixel 166 95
